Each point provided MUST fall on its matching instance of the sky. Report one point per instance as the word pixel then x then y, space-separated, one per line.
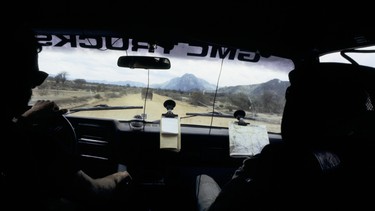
pixel 102 65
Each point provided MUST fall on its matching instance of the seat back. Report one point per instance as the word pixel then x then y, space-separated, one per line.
pixel 326 101
pixel 330 108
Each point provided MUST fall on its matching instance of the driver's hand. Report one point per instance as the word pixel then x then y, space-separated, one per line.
pixel 43 109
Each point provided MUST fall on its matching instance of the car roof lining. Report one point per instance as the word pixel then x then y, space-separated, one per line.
pixel 281 28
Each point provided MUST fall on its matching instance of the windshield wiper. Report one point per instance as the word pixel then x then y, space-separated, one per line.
pixel 213 114
pixel 103 107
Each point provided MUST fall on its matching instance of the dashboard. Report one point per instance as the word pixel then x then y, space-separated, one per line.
pixel 106 143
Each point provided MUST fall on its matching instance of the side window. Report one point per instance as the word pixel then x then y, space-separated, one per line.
pixel 362 56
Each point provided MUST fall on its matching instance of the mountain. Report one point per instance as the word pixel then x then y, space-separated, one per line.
pixel 187 82
pixel 267 97
pixel 275 86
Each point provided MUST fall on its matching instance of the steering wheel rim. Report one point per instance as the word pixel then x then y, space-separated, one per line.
pixel 65 128
pixel 54 146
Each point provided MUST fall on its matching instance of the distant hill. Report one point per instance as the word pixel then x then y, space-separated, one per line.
pixel 275 86
pixel 187 82
pixel 267 97
pixel 131 83
pixel 121 83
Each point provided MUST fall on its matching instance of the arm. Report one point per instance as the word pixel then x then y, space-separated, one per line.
pixel 247 168
pixel 43 108
pixel 75 181
pixel 101 188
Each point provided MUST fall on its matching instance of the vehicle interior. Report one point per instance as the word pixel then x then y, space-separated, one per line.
pixel 165 93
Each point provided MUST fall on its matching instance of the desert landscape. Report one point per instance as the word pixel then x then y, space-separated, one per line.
pixel 154 108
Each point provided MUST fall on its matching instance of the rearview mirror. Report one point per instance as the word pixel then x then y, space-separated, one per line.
pixel 144 62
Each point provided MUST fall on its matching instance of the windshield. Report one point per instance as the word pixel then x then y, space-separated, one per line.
pixel 207 82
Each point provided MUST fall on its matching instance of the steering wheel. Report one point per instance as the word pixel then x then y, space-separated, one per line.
pixel 55 128
pixel 54 146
